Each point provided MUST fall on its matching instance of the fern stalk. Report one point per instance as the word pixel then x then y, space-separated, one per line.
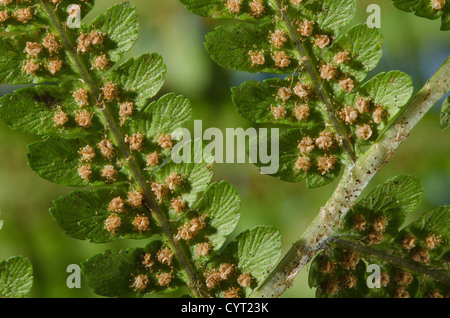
pixel 321 87
pixel 355 179
pixel 391 259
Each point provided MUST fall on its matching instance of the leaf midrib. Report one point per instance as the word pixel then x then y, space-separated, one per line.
pixel 392 259
pixel 320 86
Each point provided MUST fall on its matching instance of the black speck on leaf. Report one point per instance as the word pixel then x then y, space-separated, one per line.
pixel 49 101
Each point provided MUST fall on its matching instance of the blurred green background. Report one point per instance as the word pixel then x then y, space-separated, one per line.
pixel 413 45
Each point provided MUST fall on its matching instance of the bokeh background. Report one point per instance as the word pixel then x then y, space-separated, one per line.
pixel 413 45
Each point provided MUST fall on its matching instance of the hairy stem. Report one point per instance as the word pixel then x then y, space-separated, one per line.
pixel 355 179
pixel 391 259
pixel 180 253
pixel 321 87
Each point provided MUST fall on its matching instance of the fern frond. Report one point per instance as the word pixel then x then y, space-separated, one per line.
pixel 328 112
pixel 413 259
pixel 102 128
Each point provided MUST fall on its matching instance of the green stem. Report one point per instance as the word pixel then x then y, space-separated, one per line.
pixel 390 258
pixel 179 251
pixel 355 179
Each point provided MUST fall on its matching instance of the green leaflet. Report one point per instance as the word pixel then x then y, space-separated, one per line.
pixel 329 112
pixel 58 160
pixel 256 251
pixel 103 42
pixel 254 101
pixel 85 215
pixel 221 203
pixel 219 9
pixel 117 273
pixel 141 78
pixel 365 46
pixel 291 168
pixel 18 67
pixel 386 95
pixel 35 110
pixel 16 277
pixel 432 9
pixel 245 47
pixel 392 90
pixel 445 114
pixel 399 195
pixel 413 261
pixel 196 177
pixel 431 231
pixel 446 20
pixel 391 201
pixel 121 24
pixel 158 116
pixel 331 16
